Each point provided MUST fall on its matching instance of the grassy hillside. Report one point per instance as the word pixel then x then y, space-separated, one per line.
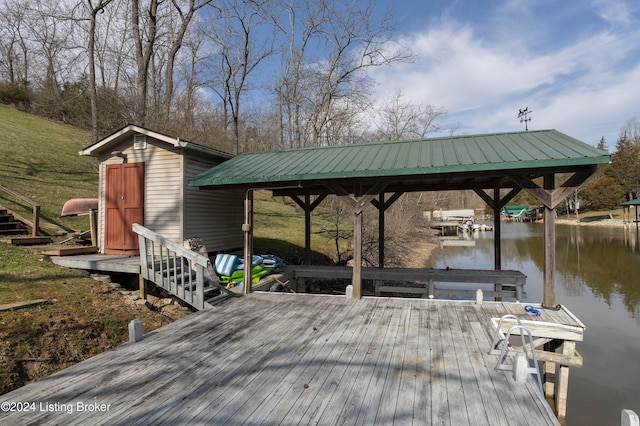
pixel 39 159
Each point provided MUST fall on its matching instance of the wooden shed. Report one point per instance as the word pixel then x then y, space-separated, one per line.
pixel 143 179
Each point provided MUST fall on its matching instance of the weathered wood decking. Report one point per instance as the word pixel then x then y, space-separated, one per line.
pixel 273 358
pixel 101 262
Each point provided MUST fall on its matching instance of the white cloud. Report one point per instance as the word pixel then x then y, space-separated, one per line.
pixel 585 87
pixel 613 11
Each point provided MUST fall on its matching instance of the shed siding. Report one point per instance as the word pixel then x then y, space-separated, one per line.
pixel 163 205
pixel 163 187
pixel 214 216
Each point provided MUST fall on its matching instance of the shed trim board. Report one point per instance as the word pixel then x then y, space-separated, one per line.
pixel 363 173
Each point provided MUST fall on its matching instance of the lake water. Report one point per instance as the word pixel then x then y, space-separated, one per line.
pixel 598 279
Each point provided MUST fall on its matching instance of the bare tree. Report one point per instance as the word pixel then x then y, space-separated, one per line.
pixel 399 119
pixel 185 15
pixel 93 10
pixel 13 45
pixel 144 35
pixel 240 41
pixel 331 46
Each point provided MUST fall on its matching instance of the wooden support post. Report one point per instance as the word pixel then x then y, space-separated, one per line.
pixel 36 220
pixel 562 391
pixel 496 204
pixel 382 207
pixel 135 330
pixel 93 226
pixel 549 282
pixel 357 203
pixel 549 379
pixel 357 255
pixel 307 230
pixel 308 208
pixel 247 228
pixel 497 249
pixel 381 211
pixel 141 287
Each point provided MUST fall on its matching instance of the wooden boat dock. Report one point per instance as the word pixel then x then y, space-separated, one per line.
pixel 278 358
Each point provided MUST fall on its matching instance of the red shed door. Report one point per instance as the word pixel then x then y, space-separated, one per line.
pixel 124 206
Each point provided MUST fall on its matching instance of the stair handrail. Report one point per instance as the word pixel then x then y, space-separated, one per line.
pixel 160 266
pixel 36 208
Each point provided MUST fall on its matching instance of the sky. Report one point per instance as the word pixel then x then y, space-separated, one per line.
pixel 574 63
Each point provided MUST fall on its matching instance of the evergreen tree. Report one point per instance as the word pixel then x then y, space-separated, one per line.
pixel 603 193
pixel 625 164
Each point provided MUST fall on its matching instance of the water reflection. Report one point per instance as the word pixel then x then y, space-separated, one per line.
pixel 604 260
pixel 597 270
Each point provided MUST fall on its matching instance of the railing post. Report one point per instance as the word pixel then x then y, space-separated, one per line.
pixel 199 299
pixel 36 220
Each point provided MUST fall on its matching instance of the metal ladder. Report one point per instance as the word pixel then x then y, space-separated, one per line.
pixel 506 350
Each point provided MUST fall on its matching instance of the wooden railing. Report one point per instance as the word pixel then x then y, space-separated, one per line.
pixel 35 225
pixel 169 265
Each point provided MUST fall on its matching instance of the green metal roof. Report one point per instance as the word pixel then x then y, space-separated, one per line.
pixel 472 154
pixel 635 202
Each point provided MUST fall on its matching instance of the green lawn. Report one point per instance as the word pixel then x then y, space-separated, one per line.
pixel 39 159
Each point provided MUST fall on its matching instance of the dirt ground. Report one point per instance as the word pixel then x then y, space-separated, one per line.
pixel 39 340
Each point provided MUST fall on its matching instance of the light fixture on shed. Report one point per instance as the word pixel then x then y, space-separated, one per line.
pixel 120 154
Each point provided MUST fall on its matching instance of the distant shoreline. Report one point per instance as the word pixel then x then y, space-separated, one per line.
pixel 614 223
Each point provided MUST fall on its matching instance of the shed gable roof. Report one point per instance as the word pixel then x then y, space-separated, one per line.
pixel 126 132
pixel 462 156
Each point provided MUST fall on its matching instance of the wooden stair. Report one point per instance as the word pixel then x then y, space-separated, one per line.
pixel 181 283
pixel 9 225
pixel 179 270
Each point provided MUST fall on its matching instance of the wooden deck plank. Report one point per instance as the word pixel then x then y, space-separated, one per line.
pixel 331 327
pixel 358 375
pixel 408 380
pixel 393 408
pixel 168 394
pixel 225 363
pixel 249 371
pixel 373 397
pixel 422 396
pixel 184 363
pixel 101 262
pixel 329 383
pixel 464 341
pixel 374 360
pixel 477 344
pixel 440 413
pixel 453 369
pixel 326 406
pixel 292 399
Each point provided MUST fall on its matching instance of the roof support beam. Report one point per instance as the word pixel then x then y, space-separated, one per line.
pixel 308 206
pixel 550 197
pixel 356 203
pixel 382 207
pixel 496 203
